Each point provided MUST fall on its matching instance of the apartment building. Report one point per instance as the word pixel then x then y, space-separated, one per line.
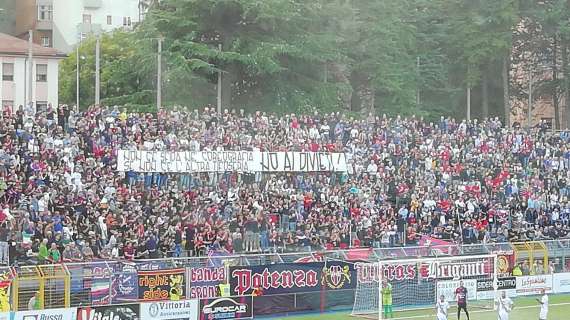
pixel 61 24
pixel 14 73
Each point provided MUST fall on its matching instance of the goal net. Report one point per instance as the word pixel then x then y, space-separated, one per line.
pixel 417 283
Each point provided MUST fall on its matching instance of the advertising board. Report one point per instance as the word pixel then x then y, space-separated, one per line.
pixel 485 287
pixel 561 282
pixel 227 308
pixel 170 310
pixel 447 288
pixel 114 312
pixel 530 285
pixel 48 314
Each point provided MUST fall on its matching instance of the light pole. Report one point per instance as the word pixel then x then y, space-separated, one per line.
pixel 219 100
pixel 77 75
pixel 30 66
pixel 97 71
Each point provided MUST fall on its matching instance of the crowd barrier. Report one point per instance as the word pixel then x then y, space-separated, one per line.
pixel 247 306
pixel 290 282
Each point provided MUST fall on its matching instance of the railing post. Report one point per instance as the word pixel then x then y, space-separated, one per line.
pixel 67 287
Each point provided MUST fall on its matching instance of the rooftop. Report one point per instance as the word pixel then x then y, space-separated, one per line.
pixel 15 46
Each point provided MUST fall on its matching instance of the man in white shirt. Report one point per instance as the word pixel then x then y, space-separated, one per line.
pixel 504 305
pixel 543 305
pixel 441 308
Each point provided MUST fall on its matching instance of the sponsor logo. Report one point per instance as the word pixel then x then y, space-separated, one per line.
pixel 119 312
pixel 439 270
pixel 502 284
pixel 227 308
pixel 44 317
pixel 368 272
pixel 247 280
pixel 154 309
pixel 503 264
pixel 335 276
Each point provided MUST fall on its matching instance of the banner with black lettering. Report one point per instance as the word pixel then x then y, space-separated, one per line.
pixel 203 282
pixel 291 278
pixel 229 161
pixel 162 284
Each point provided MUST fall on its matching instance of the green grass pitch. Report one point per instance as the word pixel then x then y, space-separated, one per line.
pixel 526 308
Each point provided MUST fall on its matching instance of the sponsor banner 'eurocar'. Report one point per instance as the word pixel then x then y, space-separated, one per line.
pixel 170 310
pixel 530 285
pixel 447 288
pixel 561 282
pixel 48 314
pixel 227 308
pixel 485 288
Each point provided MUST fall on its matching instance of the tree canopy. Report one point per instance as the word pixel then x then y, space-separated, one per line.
pixel 381 56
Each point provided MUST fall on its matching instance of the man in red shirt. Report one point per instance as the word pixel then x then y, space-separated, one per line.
pixel 461 295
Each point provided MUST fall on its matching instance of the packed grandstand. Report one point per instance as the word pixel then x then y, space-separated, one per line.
pixel 406 179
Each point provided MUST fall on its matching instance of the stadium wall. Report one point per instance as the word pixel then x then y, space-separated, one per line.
pixel 259 285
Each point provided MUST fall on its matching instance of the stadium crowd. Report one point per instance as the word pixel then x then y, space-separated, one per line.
pixel 458 181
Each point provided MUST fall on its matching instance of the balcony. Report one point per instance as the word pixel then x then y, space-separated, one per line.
pixel 88 28
pixel 94 4
pixel 44 25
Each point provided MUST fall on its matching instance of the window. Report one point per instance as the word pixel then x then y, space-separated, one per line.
pixel 41 72
pixel 549 122
pixel 41 105
pixel 7 103
pixel 45 13
pixel 87 18
pixel 45 42
pixel 109 20
pixel 129 21
pixel 7 72
pixel 125 21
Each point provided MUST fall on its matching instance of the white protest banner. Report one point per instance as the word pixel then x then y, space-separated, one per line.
pixel 561 282
pixel 229 161
pixel 170 310
pixel 447 288
pixel 529 285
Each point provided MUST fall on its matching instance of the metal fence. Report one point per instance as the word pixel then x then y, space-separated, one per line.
pixel 107 282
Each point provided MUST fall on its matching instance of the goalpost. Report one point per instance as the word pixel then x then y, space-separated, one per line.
pixel 418 283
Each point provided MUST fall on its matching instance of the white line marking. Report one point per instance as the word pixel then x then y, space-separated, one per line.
pixel 483 311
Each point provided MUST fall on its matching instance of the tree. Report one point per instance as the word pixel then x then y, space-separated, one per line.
pixel 124 72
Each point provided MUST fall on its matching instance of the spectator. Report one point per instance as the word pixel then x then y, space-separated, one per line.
pixel 459 181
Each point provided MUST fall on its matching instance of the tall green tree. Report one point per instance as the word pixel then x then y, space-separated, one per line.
pixel 125 69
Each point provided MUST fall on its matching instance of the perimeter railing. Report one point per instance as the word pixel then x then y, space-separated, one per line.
pixel 113 282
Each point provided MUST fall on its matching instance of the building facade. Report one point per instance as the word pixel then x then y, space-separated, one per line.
pixel 14 73
pixel 61 24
